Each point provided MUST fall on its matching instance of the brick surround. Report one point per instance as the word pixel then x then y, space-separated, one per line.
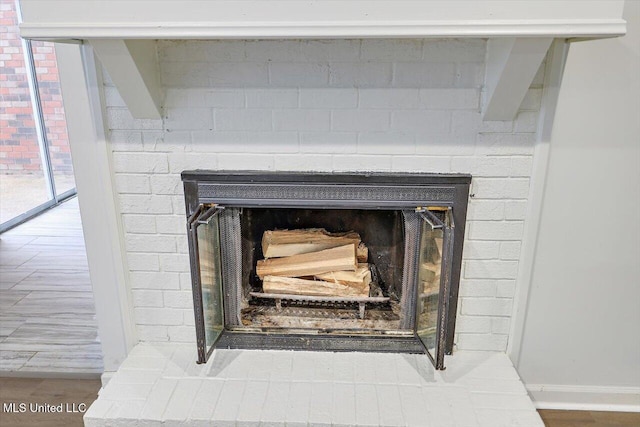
pixel 341 105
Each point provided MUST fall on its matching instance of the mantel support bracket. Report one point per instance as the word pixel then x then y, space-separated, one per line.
pixel 511 65
pixel 133 68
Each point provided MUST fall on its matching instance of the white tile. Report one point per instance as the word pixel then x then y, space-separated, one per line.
pixel 343 368
pixel 343 408
pixel 414 412
pixel 391 411
pixel 407 370
pixel 386 372
pixel 303 367
pixel 323 366
pixel 205 401
pixel 181 402
pixel 282 366
pixel 227 408
pixel 158 399
pixel 276 404
pixel 508 418
pixel 123 391
pixel 365 369
pixel 298 403
pixel 259 365
pixel 98 410
pixel 367 405
pixel 253 402
pixel 501 400
pixel 321 405
pixel 439 410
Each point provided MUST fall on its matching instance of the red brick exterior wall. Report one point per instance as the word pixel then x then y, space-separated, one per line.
pixel 19 151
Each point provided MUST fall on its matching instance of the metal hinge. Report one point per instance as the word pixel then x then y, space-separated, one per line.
pixel 203 214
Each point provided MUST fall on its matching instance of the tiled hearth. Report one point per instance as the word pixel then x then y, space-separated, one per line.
pixel 159 384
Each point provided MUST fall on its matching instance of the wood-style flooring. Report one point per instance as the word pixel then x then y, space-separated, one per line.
pixel 47 313
pixel 74 395
pixel 556 418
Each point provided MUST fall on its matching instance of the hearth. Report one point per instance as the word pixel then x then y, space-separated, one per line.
pixel 337 262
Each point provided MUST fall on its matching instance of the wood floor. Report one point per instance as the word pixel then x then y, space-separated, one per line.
pixel 47 314
pixel 74 395
pixel 555 418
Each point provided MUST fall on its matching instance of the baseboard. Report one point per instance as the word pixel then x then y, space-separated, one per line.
pixel 585 398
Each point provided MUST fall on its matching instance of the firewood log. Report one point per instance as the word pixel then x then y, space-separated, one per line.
pixel 360 277
pixel 428 271
pixel 295 286
pixel 310 264
pixel 281 243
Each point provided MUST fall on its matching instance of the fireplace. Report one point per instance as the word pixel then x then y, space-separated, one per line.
pixel 409 228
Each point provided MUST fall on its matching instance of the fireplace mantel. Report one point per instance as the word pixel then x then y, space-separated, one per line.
pixel 136 19
pixel 124 33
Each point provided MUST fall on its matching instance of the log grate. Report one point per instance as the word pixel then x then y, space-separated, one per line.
pixel 361 301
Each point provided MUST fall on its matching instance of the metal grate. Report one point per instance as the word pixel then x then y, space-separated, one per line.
pixel 411 249
pixel 318 342
pixel 231 247
pixel 323 195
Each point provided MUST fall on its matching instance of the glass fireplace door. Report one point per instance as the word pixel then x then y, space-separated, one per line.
pixel 434 279
pixel 206 275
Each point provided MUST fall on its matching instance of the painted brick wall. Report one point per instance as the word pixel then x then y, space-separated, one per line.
pixel 19 151
pixel 350 105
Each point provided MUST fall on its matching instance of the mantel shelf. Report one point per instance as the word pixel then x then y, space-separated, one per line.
pixel 254 19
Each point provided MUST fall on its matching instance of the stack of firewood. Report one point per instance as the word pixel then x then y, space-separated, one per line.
pixel 314 262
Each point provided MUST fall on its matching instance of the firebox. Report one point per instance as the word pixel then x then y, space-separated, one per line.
pixel 333 262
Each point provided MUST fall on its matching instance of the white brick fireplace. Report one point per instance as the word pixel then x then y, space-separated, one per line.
pixel 471 90
pixel 329 105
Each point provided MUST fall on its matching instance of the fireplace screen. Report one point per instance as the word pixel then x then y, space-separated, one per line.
pixel 325 262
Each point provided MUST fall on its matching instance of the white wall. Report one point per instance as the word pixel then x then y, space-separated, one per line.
pixel 332 105
pixel 583 321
